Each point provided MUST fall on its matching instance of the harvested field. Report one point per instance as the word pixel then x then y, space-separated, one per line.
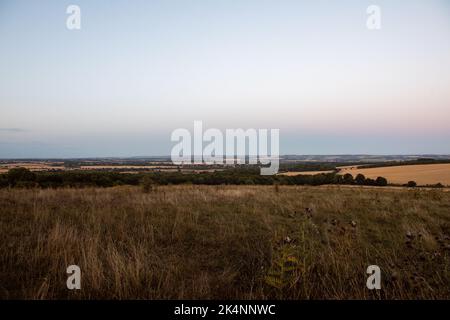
pixel 125 167
pixel 298 173
pixel 423 174
pixel 32 166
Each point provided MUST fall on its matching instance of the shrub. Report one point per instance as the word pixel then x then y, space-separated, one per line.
pixel 381 181
pixel 360 179
pixel 148 184
pixel 348 178
pixel 411 184
pixel 3 181
pixel 16 175
pixel 26 184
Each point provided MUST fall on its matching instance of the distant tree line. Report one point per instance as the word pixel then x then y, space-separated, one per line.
pixel 21 177
pixel 406 163
pixel 318 166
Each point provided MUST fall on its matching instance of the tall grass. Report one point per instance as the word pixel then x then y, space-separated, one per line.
pixel 243 242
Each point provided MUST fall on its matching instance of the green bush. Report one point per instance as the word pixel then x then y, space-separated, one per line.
pixel 360 179
pixel 26 184
pixel 148 184
pixel 381 181
pixel 17 175
pixel 411 184
pixel 348 179
pixel 3 181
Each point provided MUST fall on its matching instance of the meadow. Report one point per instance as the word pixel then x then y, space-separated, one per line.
pixel 225 242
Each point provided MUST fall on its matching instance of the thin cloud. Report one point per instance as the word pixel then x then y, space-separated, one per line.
pixel 12 130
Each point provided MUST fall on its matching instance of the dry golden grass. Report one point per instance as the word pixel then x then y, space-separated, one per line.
pixel 190 242
pixel 423 174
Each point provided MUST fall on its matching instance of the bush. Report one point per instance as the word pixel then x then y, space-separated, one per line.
pixel 3 181
pixel 411 184
pixel 348 178
pixel 26 184
pixel 148 184
pixel 370 182
pixel 360 179
pixel 17 175
pixel 381 181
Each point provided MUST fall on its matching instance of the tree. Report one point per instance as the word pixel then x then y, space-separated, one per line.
pixel 338 179
pixel 381 181
pixel 411 184
pixel 348 178
pixel 20 174
pixel 360 179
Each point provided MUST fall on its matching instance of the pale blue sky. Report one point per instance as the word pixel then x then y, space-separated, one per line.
pixel 137 70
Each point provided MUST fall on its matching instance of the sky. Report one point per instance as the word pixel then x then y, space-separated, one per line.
pixel 138 70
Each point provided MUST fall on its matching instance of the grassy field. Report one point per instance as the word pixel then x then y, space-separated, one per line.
pixel 423 174
pixel 242 242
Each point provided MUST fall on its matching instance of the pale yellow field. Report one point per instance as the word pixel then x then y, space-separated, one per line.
pixel 32 166
pixel 108 167
pixel 297 173
pixel 422 174
pixel 348 167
